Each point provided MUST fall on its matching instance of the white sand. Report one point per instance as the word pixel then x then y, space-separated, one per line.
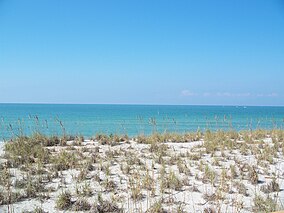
pixel 191 201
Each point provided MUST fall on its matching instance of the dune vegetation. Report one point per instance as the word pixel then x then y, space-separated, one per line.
pixel 221 171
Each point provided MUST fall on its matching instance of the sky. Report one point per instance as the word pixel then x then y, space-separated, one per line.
pixel 222 52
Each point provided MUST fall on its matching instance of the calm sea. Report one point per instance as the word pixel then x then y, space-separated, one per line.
pixel 87 120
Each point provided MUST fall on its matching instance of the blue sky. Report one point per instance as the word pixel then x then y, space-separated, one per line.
pixel 146 52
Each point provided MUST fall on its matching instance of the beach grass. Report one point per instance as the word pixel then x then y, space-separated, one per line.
pixel 211 171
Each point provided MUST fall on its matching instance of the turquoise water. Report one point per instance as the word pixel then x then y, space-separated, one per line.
pixel 88 120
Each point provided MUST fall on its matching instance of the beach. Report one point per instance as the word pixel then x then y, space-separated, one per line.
pixel 141 106
pixel 209 172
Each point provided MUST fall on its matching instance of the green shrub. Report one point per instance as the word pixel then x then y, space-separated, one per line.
pixel 63 201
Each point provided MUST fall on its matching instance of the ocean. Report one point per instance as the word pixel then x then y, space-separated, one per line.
pixel 90 119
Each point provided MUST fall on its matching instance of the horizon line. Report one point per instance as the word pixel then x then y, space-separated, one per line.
pixel 141 104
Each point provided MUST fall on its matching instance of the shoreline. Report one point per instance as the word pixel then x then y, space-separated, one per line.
pixel 139 104
pixel 214 170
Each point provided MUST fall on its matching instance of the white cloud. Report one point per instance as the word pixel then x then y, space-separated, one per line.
pixel 243 94
pixel 224 94
pixel 188 93
pixel 273 94
pixel 206 94
pixel 227 94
